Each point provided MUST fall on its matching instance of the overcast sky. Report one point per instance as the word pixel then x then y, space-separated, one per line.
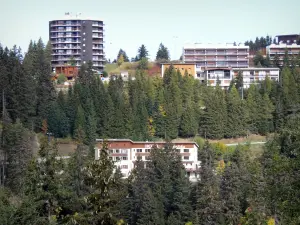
pixel 131 23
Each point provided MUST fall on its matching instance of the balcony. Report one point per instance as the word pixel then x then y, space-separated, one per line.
pixel 220 76
pixel 98 31
pixel 97 47
pixel 64 24
pixel 66 53
pixel 98 53
pixel 98 64
pixel 97 24
pixel 98 42
pixel 65 41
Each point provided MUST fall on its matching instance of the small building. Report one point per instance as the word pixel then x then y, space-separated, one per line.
pixel 182 67
pixel 124 152
pixel 69 71
pixel 280 49
pixel 253 75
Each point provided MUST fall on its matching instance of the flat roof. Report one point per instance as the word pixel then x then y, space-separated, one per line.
pixel 286 35
pixel 213 46
pixel 147 142
pixel 178 63
pixel 217 68
pixel 256 68
pixel 76 17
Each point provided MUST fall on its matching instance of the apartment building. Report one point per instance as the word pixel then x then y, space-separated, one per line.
pixel 280 49
pixel 125 152
pixel 76 41
pixel 288 38
pixel 216 55
pixel 254 75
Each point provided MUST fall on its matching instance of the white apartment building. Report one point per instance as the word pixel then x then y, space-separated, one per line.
pixel 280 49
pixel 216 55
pixel 124 152
pixel 254 75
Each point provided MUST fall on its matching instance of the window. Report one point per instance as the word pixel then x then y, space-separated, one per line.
pixel 117 151
pixel 186 157
pixel 110 158
pixel 147 157
pixel 124 158
pixel 124 151
pixel 111 151
pixel 178 150
pixel 139 150
pixel 186 150
pixel 124 166
pixel 117 158
pixel 147 150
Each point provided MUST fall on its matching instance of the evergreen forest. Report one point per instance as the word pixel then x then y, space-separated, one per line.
pixel 234 187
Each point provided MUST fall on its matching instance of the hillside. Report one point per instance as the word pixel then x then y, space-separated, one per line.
pixel 131 67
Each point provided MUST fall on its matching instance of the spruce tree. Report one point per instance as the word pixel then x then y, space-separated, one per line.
pixel 235 126
pixel 162 53
pixel 105 185
pixel 208 201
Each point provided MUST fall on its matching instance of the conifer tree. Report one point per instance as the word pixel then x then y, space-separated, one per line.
pixel 18 146
pixel 208 201
pixel 235 115
pixel 162 53
pixel 106 187
pixel 215 114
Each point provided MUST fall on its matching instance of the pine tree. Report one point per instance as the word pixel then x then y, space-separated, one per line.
pixel 276 61
pixel 18 146
pixel 162 53
pixel 215 114
pixel 44 185
pixel 105 184
pixel 125 57
pixel 142 52
pixel 235 115
pixel 149 210
pixel 229 193
pixel 45 89
pixel 208 201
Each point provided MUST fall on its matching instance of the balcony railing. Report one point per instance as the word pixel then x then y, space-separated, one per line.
pixel 64 24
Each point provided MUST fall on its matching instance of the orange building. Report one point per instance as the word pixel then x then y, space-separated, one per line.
pixel 182 67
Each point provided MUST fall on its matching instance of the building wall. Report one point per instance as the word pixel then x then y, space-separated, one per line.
pixel 255 75
pixel 126 152
pixel 190 68
pixel 280 49
pixel 77 38
pixel 216 55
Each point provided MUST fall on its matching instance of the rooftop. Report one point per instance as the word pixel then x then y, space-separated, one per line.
pixel 77 16
pixel 257 68
pixel 146 142
pixel 287 35
pixel 213 46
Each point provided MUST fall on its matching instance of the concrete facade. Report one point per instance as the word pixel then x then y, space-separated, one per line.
pixel 77 39
pixel 124 152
